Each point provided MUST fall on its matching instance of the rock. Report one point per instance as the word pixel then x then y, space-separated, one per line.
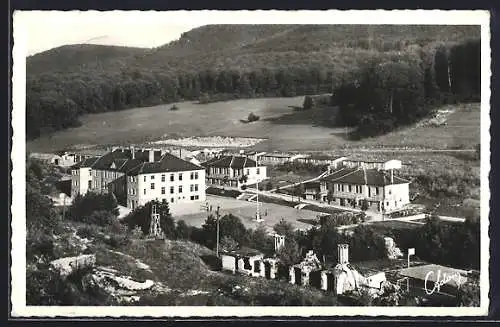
pixel 68 265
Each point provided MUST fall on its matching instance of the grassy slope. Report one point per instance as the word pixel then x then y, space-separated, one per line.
pixel 223 118
pixel 180 267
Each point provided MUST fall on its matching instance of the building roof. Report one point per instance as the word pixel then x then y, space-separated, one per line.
pixel 423 272
pixel 43 156
pixel 167 163
pixel 312 185
pixel 236 162
pixel 360 176
pixel 243 252
pixel 86 163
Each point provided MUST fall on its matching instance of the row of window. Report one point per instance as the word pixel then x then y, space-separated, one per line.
pixel 192 175
pixel 357 189
pixel 220 171
pixel 133 203
pixel 192 188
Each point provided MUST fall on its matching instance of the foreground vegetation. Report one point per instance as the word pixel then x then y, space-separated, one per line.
pixel 186 261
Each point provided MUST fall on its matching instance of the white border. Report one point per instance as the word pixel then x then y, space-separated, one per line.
pixel 422 17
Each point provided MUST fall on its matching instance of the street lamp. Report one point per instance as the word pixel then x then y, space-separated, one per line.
pixel 217 248
pixel 411 251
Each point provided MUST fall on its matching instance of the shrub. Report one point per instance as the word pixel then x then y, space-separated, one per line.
pixel 94 208
pixel 252 117
pixel 174 108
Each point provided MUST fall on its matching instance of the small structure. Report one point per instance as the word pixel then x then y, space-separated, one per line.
pixel 244 261
pixel 344 277
pixel 279 242
pixel 268 268
pixel 155 230
pixel 308 272
pixel 435 278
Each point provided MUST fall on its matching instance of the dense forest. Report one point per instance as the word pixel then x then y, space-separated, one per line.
pixel 380 76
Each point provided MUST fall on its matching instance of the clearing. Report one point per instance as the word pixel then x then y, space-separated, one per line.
pixel 298 133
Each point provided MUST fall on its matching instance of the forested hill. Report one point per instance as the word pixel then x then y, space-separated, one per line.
pixel 230 61
pixel 74 57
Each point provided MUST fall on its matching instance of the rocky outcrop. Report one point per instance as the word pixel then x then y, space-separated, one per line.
pixel 392 251
pixel 66 266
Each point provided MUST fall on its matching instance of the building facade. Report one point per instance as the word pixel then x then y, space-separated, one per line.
pixel 136 177
pixel 382 191
pixel 234 171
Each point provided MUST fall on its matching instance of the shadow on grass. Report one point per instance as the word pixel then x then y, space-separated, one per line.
pixel 212 262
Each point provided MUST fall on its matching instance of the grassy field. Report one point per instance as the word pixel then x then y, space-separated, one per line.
pixel 297 131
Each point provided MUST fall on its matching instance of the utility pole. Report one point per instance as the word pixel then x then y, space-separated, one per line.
pixel 257 217
pixel 411 251
pixel 217 247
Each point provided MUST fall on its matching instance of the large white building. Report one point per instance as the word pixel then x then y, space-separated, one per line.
pixel 136 177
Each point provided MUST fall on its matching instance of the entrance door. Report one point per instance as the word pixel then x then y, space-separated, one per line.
pixel 267 269
pixel 298 276
pixel 330 280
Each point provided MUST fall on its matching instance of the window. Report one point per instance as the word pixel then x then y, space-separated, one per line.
pixel 90 184
pixel 195 175
pixel 196 197
pixel 191 176
pixel 377 191
pixel 258 171
pixel 172 200
pixel 144 178
pixel 171 177
pixel 152 176
pixel 144 191
pixel 390 191
pixel 152 186
pixel 90 172
pixel 191 188
pixel 180 177
pixel 350 188
pixel 192 197
pixel 163 190
pixel 163 177
pixel 180 188
pixel 248 172
pixel 171 190
pixel 195 187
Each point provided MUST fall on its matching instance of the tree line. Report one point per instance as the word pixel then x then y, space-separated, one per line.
pixel 385 88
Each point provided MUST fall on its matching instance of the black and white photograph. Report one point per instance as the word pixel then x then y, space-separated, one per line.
pixel 300 163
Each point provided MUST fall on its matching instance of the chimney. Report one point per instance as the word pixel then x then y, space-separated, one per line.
pixel 343 253
pixel 132 149
pixel 180 153
pixel 151 155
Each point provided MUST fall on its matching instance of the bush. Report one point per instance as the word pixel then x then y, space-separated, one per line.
pixel 94 208
pixel 252 117
pixel 174 108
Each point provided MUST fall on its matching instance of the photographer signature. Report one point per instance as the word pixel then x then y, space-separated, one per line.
pixel 442 279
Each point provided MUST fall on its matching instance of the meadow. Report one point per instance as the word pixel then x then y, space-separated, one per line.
pixel 282 128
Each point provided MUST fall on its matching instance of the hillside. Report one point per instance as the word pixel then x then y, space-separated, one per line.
pixel 78 56
pixel 221 62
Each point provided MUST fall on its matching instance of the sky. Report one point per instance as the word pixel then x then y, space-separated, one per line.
pixel 52 29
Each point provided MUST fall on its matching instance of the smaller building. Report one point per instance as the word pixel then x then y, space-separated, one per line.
pixel 319 159
pixel 243 261
pixel 46 158
pixel 234 171
pixel 307 272
pixel 312 191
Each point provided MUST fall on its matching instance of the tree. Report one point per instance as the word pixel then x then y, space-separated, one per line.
pixel 284 228
pixel 182 230
pixel 227 243
pixel 308 102
pixel 469 295
pixel 364 205
pixel 94 208
pixel 289 254
pixel 260 240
